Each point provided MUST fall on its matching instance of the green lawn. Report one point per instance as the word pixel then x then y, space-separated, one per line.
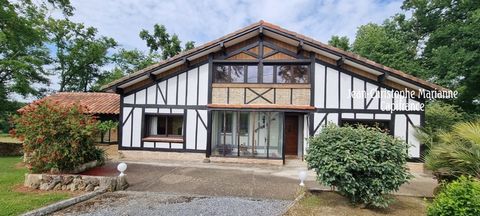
pixel 13 202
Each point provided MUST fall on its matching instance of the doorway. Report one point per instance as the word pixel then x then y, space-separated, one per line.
pixel 291 134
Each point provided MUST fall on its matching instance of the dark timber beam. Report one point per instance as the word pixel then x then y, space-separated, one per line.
pixel 300 47
pixel 152 77
pixel 341 61
pixel 223 48
pixel 381 78
pixel 186 62
pixel 117 90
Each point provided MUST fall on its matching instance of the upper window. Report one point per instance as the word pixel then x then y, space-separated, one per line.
pixel 163 125
pixel 270 74
pixel 292 74
pixel 229 73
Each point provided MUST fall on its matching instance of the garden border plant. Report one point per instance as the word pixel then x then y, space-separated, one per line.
pixel 57 138
pixel 363 163
pixel 460 197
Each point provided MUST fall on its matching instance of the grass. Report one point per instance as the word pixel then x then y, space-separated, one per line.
pixel 15 199
pixel 331 203
pixel 5 138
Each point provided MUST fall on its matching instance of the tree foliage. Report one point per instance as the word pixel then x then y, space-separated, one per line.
pixel 22 52
pixel 125 62
pixel 450 31
pixel 439 118
pixel 80 54
pixel 440 42
pixel 160 41
pixel 388 44
pixel 363 163
pixel 340 42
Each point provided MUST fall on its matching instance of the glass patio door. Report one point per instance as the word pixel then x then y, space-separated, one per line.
pixel 247 134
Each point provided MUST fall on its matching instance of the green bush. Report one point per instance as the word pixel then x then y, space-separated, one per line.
pixel 461 197
pixel 105 126
pixel 56 137
pixel 439 117
pixel 364 164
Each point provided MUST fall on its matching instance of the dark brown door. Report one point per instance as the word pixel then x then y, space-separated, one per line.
pixel 291 134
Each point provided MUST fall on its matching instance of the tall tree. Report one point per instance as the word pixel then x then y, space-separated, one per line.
pixel 160 40
pixel 22 52
pixel 450 32
pixel 80 54
pixel 126 62
pixel 387 44
pixel 340 42
pixel 130 61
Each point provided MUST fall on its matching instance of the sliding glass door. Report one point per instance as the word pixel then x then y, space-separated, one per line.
pixel 247 134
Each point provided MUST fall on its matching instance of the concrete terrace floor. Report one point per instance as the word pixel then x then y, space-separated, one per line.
pixel 234 179
pixel 219 181
pixel 227 179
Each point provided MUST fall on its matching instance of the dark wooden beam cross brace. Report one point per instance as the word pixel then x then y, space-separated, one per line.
pixel 341 61
pixel 260 95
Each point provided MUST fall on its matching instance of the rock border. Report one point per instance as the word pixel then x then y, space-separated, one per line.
pixel 69 182
pixel 65 203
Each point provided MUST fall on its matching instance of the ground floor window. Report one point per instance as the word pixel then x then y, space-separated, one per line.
pixel 163 125
pixel 383 125
pixel 247 134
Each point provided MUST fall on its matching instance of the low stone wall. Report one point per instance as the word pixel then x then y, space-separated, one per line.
pixel 74 182
pixel 11 149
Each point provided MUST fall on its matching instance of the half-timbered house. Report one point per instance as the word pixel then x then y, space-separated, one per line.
pixel 259 93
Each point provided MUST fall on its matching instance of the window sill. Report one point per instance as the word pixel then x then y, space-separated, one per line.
pixel 163 139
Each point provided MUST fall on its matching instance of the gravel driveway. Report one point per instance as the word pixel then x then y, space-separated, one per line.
pixel 154 203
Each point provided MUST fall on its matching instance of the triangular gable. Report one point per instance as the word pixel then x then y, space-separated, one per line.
pixel 290 42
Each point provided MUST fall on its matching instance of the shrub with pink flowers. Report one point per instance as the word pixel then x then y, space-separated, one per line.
pixel 56 138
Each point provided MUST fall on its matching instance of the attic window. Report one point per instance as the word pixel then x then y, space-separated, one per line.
pixel 279 73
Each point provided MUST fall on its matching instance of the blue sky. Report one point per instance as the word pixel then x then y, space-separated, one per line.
pixel 202 21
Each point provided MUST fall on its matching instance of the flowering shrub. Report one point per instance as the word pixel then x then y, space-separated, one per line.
pixel 56 137
pixel 364 164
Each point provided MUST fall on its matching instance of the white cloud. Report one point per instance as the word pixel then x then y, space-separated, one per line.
pixel 202 21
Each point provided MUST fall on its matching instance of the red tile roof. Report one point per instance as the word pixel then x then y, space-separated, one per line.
pixel 96 102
